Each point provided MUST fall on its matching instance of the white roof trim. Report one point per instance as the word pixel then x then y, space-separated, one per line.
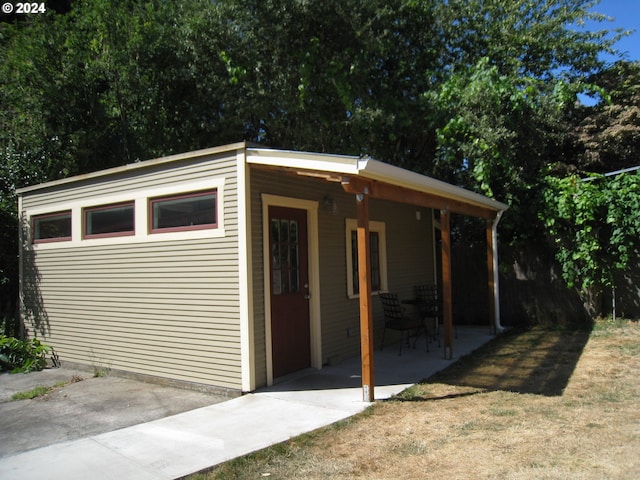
pixel 134 166
pixel 370 169
pixel 376 170
pixel 320 162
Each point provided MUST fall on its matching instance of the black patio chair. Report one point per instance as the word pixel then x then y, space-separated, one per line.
pixel 429 307
pixel 395 318
pixel 429 299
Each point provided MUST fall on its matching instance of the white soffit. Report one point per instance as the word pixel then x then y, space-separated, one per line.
pixel 310 162
pixel 321 162
pixel 370 169
pixel 376 170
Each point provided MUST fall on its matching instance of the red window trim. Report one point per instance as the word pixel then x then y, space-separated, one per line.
pixel 35 240
pixel 124 233
pixel 184 228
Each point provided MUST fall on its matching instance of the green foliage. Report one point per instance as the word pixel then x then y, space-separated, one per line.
pixel 22 355
pixel 99 371
pixel 10 326
pixel 38 391
pixel 477 93
pixel 609 132
pixel 595 225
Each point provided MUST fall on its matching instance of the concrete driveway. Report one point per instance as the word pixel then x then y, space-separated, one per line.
pixel 82 406
pixel 57 436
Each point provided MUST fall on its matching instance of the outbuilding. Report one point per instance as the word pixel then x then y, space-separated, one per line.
pixel 232 266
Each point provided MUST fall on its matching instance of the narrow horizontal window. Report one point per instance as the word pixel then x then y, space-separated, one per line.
pixel 52 227
pixel 109 220
pixel 190 211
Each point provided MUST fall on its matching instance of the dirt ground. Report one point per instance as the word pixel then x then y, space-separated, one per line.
pixel 538 404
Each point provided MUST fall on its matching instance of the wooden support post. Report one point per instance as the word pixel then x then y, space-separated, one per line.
pixel 490 278
pixel 366 308
pixel 447 307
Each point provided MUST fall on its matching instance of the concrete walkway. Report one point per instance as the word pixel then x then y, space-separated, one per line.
pixel 186 443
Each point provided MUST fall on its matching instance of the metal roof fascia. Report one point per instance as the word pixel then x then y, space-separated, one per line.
pixel 341 164
pixel 134 166
pixel 377 170
pixel 322 162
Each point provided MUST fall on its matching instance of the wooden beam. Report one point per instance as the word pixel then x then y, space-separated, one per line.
pixel 490 282
pixel 386 191
pixel 366 308
pixel 447 297
pixel 356 185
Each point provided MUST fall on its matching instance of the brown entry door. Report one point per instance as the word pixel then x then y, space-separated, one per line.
pixel 290 329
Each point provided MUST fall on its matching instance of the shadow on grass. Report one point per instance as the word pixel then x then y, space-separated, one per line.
pixel 537 361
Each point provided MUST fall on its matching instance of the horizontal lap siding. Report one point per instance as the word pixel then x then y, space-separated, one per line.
pixel 409 247
pixel 259 333
pixel 337 311
pixel 156 176
pixel 409 257
pixel 409 263
pixel 162 308
pixel 273 183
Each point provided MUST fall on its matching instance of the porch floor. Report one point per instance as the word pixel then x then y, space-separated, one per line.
pixel 340 385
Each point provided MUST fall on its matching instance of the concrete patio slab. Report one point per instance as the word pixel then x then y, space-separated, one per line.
pixel 182 444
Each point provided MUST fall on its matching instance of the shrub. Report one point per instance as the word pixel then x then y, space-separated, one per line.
pixel 22 355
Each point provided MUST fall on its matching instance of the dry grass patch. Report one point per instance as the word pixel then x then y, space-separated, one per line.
pixel 538 404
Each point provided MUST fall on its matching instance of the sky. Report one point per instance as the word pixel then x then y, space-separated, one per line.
pixel 626 15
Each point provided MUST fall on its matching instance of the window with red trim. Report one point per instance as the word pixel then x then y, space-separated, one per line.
pixel 51 227
pixel 189 211
pixel 109 220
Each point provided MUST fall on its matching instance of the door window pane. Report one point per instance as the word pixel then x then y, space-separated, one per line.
pixel 275 244
pixel 285 262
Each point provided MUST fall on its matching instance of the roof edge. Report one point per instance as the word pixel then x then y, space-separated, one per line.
pixel 328 162
pixel 135 166
pixel 325 162
pixel 381 171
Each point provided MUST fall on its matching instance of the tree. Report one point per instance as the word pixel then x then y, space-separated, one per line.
pixel 595 223
pixel 105 84
pixel 609 132
pixel 595 220
pixel 476 92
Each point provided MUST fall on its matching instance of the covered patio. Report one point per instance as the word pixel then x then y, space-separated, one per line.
pixel 340 386
pixel 366 179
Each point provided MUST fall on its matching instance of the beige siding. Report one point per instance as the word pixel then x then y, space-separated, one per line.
pixel 259 335
pixel 123 182
pixel 409 254
pixel 276 184
pixel 163 308
pixel 409 262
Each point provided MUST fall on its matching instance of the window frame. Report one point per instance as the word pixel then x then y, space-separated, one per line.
pixel 374 227
pixel 124 233
pixel 152 201
pixel 61 213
